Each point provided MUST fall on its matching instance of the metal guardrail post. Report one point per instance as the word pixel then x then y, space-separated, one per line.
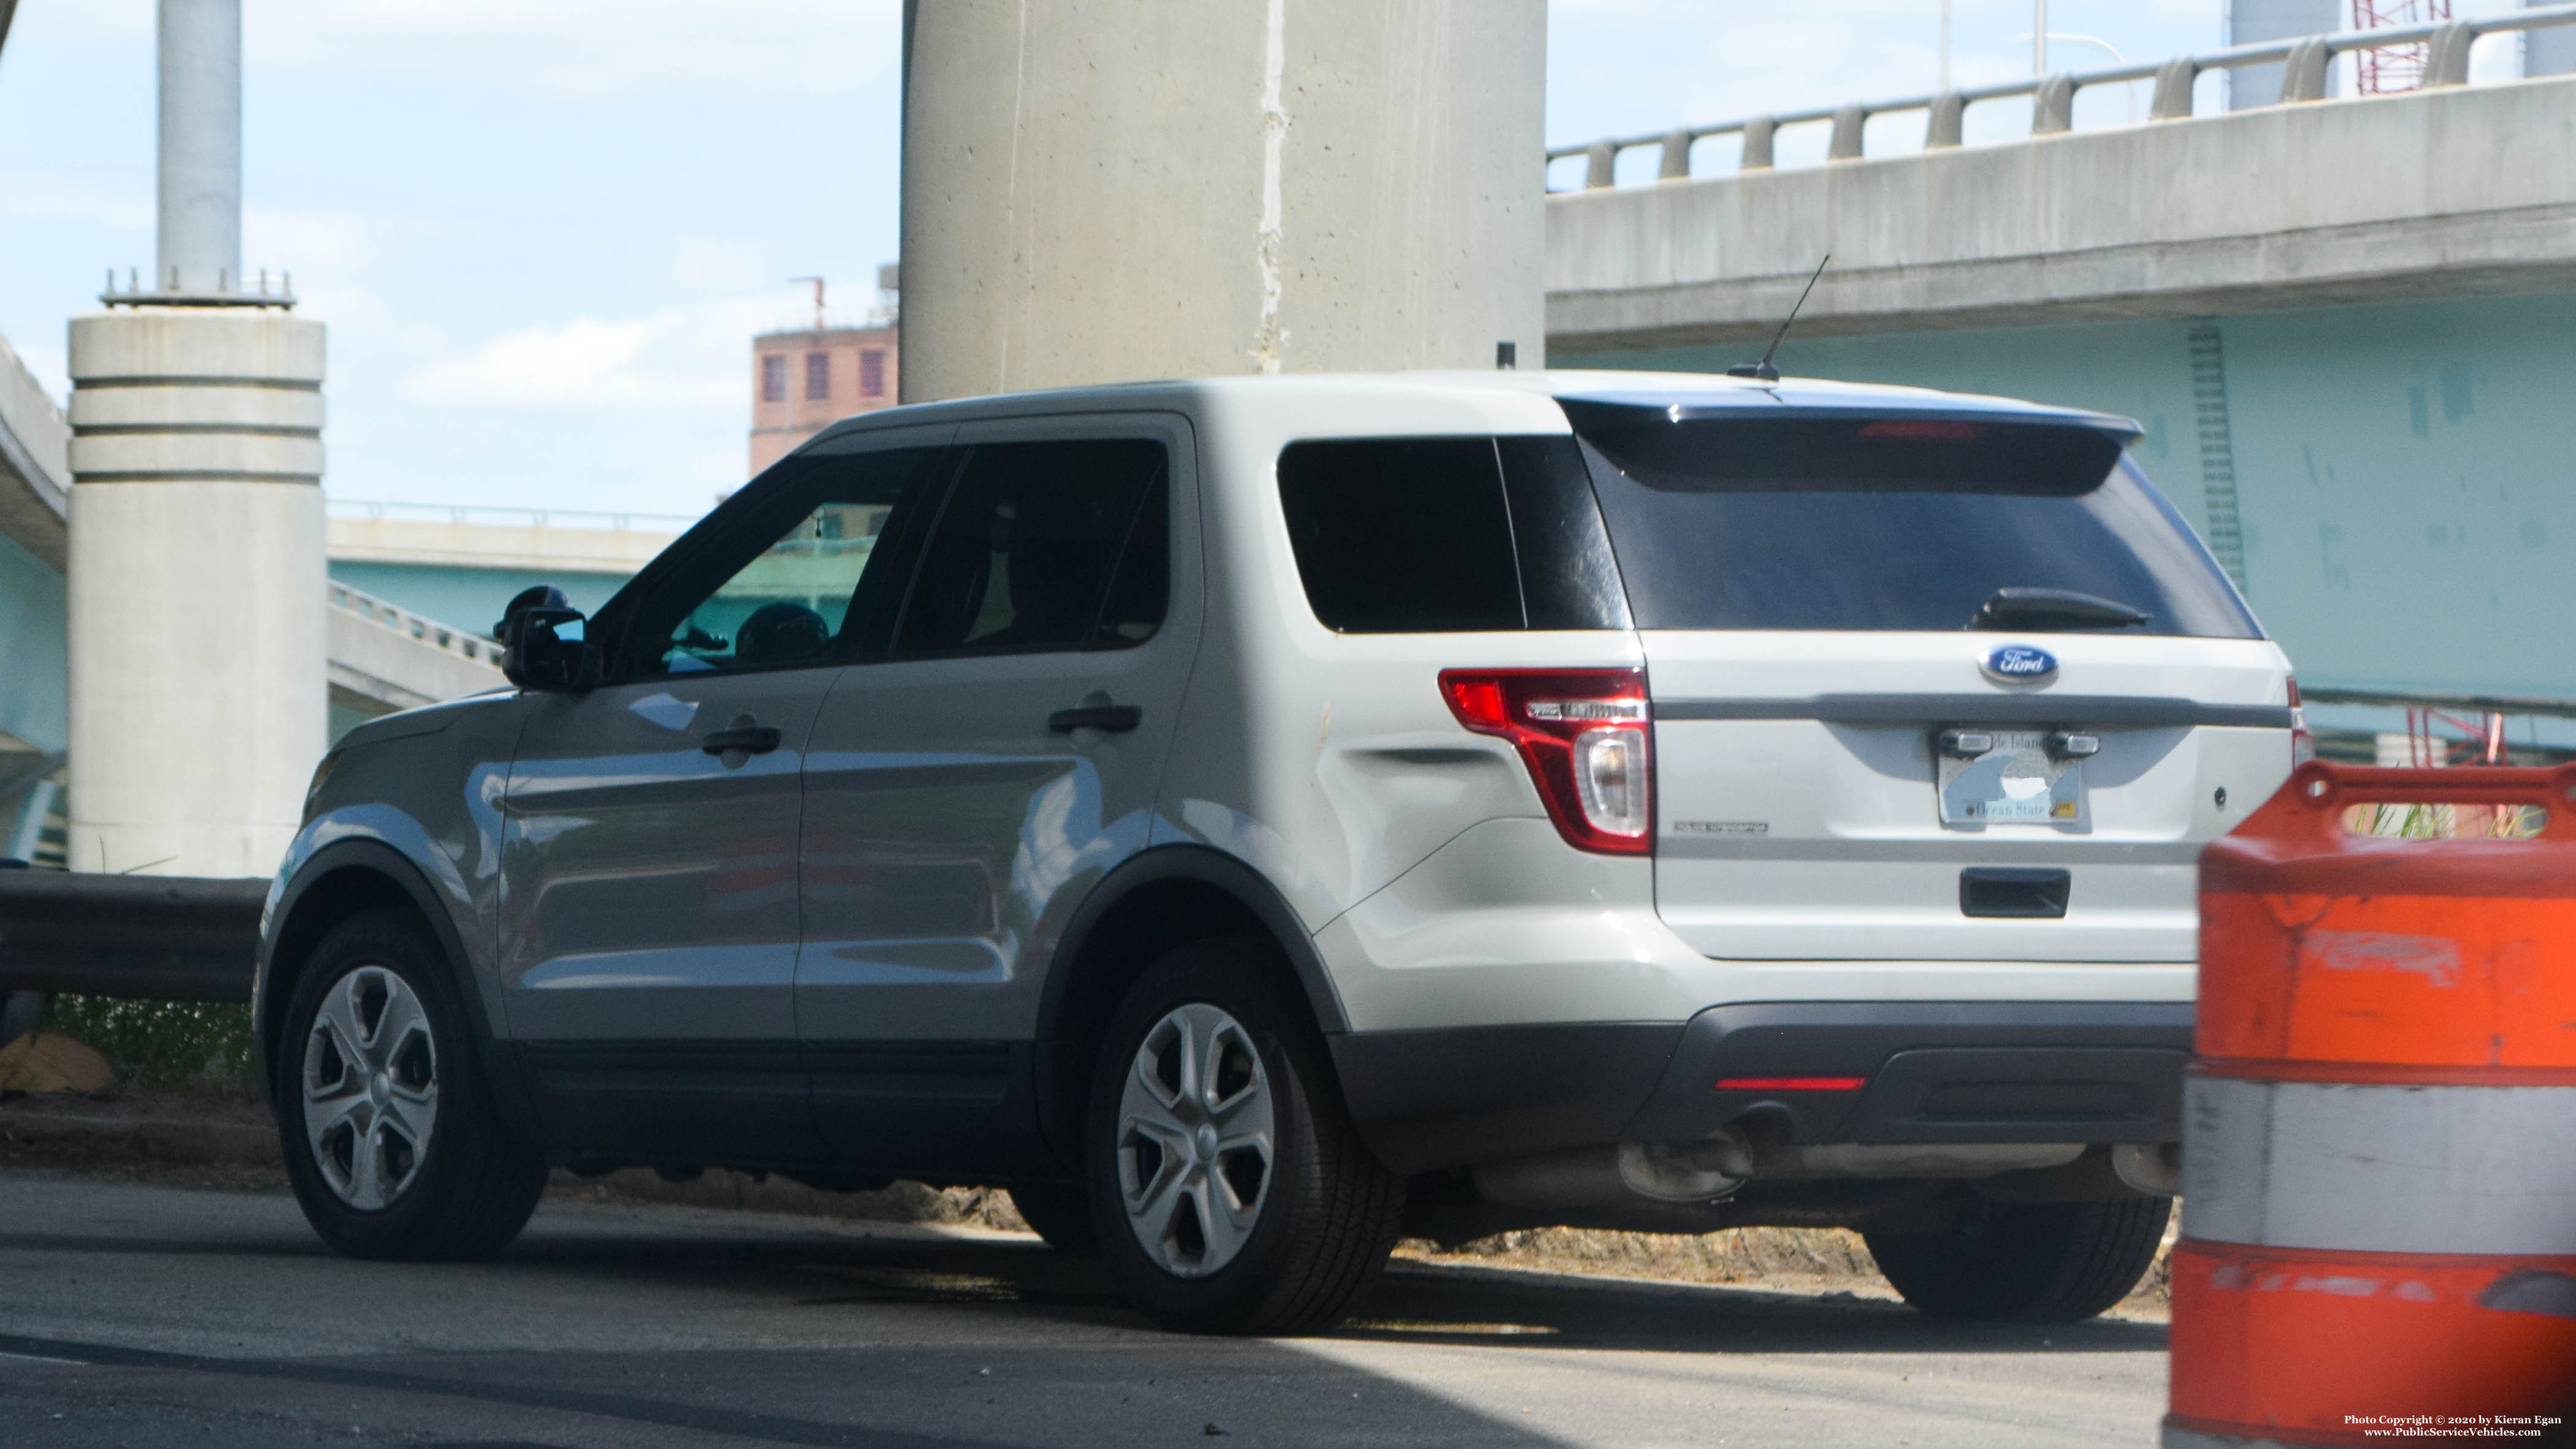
pixel 1676 165
pixel 1848 123
pixel 1600 166
pixel 151 938
pixel 2446 61
pixel 2052 110
pixel 1757 145
pixel 1948 122
pixel 2303 75
pixel 2174 80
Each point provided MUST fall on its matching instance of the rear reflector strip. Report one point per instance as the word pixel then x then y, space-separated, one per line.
pixel 1791 1084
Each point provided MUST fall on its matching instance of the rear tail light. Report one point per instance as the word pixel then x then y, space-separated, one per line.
pixel 1584 736
pixel 2303 745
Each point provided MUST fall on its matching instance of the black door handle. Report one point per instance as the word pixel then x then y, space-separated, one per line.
pixel 743 735
pixel 1116 718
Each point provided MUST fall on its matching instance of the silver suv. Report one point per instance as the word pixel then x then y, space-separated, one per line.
pixel 1251 819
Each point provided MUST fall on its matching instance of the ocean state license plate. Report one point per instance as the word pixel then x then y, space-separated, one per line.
pixel 2015 782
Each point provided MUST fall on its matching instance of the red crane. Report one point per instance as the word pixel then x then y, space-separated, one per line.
pixel 2393 68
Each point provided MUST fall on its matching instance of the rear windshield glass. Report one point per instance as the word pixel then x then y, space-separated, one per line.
pixel 1887 523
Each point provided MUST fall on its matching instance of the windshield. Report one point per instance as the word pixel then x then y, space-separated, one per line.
pixel 1885 523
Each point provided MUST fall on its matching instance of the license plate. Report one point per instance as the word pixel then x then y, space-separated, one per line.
pixel 2015 782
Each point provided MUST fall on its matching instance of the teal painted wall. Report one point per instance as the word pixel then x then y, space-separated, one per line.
pixel 2405 475
pixel 34 690
pixel 467 598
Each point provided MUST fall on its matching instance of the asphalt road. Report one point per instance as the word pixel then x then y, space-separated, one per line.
pixel 150 1316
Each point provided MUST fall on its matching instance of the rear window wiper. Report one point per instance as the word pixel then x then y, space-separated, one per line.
pixel 2053 610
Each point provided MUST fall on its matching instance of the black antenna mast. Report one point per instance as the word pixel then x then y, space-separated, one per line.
pixel 1763 369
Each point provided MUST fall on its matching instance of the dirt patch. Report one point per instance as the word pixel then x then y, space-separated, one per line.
pixel 904 1202
pixel 1786 1260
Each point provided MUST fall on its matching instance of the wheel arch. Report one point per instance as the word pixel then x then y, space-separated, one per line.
pixel 351 879
pixel 1157 900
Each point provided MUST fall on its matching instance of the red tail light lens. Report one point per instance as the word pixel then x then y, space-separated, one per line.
pixel 2303 745
pixel 1583 733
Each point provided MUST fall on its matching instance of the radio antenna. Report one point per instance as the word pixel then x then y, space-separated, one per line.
pixel 1763 369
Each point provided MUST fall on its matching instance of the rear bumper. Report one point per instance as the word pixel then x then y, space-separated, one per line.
pixel 1934 1072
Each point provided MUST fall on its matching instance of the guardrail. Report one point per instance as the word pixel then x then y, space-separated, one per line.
pixel 428 631
pixel 152 938
pixel 2304 61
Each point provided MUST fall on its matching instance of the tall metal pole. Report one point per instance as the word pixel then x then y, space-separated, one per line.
pixel 2039 37
pixel 1945 47
pixel 200 242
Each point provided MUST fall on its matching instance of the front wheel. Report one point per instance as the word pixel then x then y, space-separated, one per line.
pixel 391 1144
pixel 1232 1193
pixel 2025 1262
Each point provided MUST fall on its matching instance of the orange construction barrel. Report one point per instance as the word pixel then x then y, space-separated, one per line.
pixel 2379 1141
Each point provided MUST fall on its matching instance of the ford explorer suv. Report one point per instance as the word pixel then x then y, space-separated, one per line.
pixel 1253 819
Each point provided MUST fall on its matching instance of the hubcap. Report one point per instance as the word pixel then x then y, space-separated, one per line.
pixel 370 1087
pixel 1194 1141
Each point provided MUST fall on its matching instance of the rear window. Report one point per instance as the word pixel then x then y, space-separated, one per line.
pixel 1887 523
pixel 1448 535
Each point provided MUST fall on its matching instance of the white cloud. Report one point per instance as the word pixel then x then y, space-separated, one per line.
pixel 683 357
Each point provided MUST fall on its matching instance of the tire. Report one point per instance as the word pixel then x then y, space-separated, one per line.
pixel 2025 1262
pixel 1060 1214
pixel 408 1160
pixel 1287 1242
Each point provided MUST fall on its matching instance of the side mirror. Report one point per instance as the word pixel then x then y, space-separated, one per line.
pixel 542 633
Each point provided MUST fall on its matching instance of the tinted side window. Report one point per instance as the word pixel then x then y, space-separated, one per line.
pixel 1025 553
pixel 814 573
pixel 1402 535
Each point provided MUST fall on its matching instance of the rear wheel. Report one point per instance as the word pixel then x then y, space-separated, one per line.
pixel 1232 1193
pixel 2025 1262
pixel 391 1144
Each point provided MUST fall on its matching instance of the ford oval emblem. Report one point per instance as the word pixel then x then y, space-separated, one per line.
pixel 2019 664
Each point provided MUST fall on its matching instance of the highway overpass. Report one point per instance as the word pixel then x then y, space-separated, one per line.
pixel 2349 326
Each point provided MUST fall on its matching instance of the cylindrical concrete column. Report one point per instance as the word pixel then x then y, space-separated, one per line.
pixel 199 701
pixel 200 147
pixel 1107 190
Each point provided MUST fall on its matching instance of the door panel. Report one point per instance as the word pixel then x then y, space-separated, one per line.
pixel 956 814
pixel 650 919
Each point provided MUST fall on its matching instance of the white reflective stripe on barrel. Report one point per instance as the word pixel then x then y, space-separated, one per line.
pixel 2380 1169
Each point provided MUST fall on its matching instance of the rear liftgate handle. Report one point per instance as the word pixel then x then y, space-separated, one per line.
pixel 1096 713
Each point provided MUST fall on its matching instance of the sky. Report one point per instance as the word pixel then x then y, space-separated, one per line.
pixel 542 232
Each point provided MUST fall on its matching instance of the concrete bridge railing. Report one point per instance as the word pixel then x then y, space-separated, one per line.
pixel 385 657
pixel 2305 60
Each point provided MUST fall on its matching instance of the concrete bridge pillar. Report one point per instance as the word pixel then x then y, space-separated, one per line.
pixel 197 637
pixel 199 701
pixel 1107 190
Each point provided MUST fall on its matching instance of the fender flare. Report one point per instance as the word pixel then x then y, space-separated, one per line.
pixel 499 1063
pixel 1203 865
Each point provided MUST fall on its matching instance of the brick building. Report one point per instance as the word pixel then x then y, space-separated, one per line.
pixel 803 379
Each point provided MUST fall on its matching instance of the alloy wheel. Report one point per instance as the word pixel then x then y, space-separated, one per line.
pixel 370 1087
pixel 1195 1135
